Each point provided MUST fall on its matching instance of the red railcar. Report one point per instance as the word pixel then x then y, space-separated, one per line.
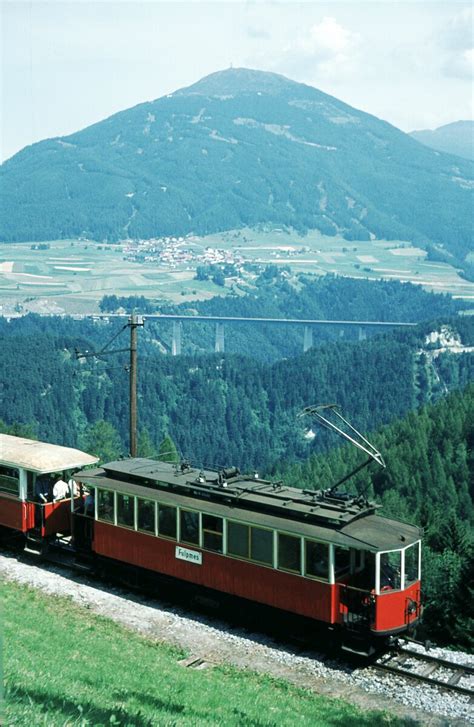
pixel 321 555
pixel 22 463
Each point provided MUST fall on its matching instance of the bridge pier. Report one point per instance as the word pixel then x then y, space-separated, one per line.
pixel 176 342
pixel 219 346
pixel 362 333
pixel 308 338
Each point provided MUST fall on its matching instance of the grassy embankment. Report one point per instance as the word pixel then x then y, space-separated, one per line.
pixel 65 666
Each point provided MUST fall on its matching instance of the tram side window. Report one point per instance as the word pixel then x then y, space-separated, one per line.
pixel 125 510
pixel 289 553
pixel 342 561
pixel 146 515
pixel 167 521
pixel 189 524
pixel 317 560
pixel 261 545
pixel 105 505
pixel 390 568
pixel 411 564
pixel 9 480
pixel 212 528
pixel 238 537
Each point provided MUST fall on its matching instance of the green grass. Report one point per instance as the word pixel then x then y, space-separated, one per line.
pixel 64 666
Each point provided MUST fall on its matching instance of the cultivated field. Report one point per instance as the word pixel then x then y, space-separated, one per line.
pixel 71 276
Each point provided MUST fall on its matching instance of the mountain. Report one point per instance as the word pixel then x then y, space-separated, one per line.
pixel 240 147
pixel 456 138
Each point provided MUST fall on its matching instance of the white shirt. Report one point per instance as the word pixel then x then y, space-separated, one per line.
pixel 60 490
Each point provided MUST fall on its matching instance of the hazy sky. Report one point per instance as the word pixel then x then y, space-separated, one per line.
pixel 66 64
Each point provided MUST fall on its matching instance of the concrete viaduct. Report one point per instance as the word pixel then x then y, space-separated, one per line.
pixel 220 321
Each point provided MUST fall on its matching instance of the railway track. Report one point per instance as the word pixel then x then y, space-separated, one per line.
pixel 428 669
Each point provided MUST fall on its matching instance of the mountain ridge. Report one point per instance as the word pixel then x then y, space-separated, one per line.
pixel 204 160
pixel 454 138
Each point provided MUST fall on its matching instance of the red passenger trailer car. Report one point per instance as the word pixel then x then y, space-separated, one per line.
pixel 22 510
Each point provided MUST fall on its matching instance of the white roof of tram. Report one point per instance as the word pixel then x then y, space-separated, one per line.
pixel 40 457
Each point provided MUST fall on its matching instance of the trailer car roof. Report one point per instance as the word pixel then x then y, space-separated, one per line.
pixel 40 457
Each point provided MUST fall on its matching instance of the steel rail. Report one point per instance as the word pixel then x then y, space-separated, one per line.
pixel 389 664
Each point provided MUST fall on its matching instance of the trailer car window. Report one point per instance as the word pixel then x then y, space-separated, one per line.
pixel 105 505
pixel 9 480
pixel 411 564
pixel 125 510
pixel 261 545
pixel 167 521
pixel 189 523
pixel 317 560
pixel 212 528
pixel 146 515
pixel 289 553
pixel 390 569
pixel 238 539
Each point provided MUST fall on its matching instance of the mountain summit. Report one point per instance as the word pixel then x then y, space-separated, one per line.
pixel 239 147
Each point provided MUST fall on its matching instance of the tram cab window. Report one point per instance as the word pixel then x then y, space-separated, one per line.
pixel 125 510
pixel 105 505
pixel 238 540
pixel 212 529
pixel 189 524
pixel 146 515
pixel 317 560
pixel 289 553
pixel 9 481
pixel 261 545
pixel 342 561
pixel 390 570
pixel 167 521
pixel 411 574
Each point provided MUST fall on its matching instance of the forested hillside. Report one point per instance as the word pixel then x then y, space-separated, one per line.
pixel 429 480
pixel 239 148
pixel 219 409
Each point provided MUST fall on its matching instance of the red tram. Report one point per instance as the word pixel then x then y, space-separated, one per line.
pixel 319 554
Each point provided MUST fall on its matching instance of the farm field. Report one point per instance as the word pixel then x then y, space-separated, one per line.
pixel 71 276
pixel 63 665
pixel 319 254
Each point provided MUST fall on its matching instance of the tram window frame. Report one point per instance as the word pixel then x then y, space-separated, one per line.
pixel 12 480
pixel 406 582
pixel 281 539
pixel 183 513
pixel 120 520
pixel 102 491
pixel 256 530
pixel 384 588
pixel 346 569
pixel 152 529
pixel 211 533
pixel 244 531
pixel 307 574
pixel 163 507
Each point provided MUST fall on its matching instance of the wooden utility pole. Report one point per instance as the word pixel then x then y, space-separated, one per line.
pixel 133 323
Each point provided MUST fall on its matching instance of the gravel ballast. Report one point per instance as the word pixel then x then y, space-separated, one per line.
pixel 218 643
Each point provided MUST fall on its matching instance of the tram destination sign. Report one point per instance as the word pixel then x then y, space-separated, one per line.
pixel 192 556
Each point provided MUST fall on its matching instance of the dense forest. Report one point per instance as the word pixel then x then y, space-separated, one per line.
pixel 219 409
pixel 428 480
